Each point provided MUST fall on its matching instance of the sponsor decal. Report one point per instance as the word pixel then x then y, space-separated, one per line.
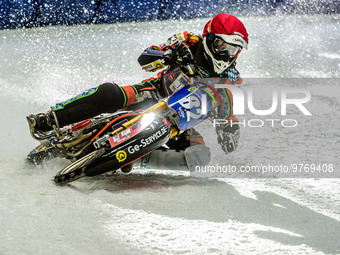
pixel 158 65
pixel 237 40
pixel 180 37
pixel 181 113
pixel 138 125
pixel 145 142
pixel 120 137
pixel 125 134
pixel 116 138
pixel 121 156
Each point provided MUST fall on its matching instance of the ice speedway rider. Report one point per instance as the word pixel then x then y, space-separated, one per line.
pixel 213 54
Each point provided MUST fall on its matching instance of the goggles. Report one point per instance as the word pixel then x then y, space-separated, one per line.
pixel 223 48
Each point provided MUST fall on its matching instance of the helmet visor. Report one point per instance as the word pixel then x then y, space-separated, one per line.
pixel 225 49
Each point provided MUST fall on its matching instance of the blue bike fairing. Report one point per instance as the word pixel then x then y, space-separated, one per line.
pixel 192 105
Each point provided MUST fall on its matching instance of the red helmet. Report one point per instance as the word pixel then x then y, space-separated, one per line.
pixel 224 38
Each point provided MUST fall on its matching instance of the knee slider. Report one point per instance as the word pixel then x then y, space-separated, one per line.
pixel 198 155
pixel 165 160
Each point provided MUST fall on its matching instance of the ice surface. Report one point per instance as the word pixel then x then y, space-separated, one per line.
pixel 155 212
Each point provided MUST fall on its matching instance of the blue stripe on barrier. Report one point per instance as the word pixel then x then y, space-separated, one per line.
pixel 111 11
pixel 57 12
pixel 187 9
pixel 16 14
pixel 25 13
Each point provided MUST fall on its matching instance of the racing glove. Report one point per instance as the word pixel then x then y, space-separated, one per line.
pixel 228 137
pixel 180 55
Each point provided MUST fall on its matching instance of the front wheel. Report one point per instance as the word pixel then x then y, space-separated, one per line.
pixel 75 170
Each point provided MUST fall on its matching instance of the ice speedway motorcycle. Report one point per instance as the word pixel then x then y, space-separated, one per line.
pixel 114 141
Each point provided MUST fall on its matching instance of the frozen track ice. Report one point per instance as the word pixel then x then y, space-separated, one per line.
pixel 168 212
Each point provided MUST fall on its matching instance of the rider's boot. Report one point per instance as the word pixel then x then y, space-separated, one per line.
pixel 42 122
